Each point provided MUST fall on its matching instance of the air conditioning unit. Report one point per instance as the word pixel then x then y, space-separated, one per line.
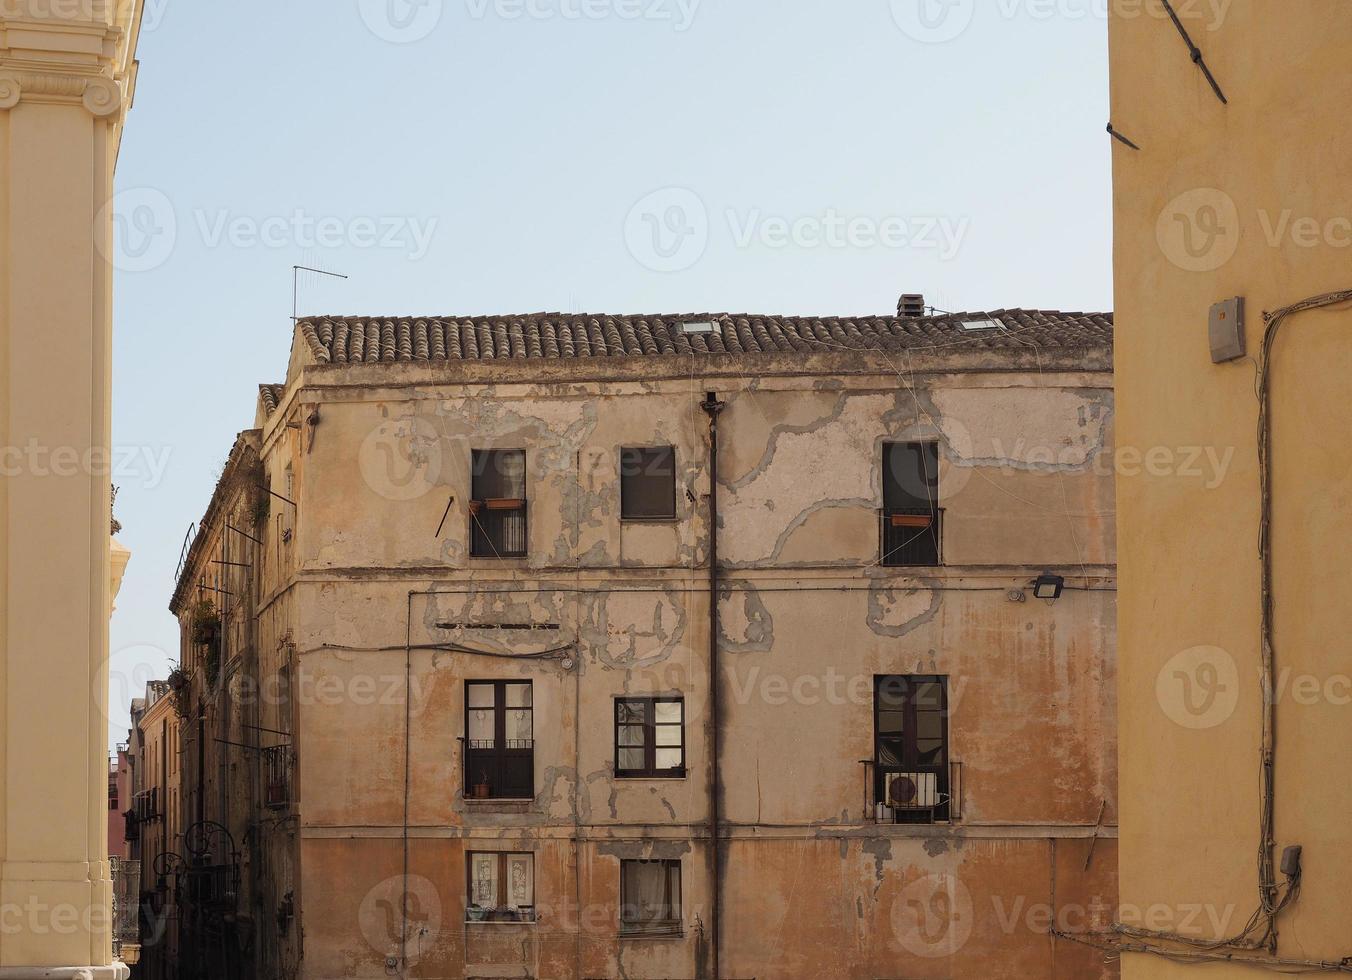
pixel 911 790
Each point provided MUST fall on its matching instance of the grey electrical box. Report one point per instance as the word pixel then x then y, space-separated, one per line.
pixel 1227 330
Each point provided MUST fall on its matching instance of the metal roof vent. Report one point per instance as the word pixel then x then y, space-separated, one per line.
pixel 698 326
pixel 911 305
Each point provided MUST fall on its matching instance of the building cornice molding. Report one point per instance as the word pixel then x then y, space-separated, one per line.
pixel 100 95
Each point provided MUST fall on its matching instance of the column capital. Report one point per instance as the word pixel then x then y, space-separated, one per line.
pixel 97 93
pixel 79 52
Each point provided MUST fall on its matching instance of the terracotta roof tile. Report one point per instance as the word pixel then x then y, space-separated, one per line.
pixel 272 397
pixel 563 336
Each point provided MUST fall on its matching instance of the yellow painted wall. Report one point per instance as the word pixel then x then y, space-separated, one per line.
pixel 1251 199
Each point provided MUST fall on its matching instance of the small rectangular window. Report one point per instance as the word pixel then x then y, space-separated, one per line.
pixel 499 740
pixel 912 520
pixel 500 888
pixel 650 738
pixel 648 484
pixel 498 503
pixel 650 898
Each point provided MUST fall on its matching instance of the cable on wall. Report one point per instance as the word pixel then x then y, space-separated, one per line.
pixel 1195 52
pixel 1273 900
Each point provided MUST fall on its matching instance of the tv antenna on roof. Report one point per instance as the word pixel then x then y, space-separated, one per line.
pixel 296 270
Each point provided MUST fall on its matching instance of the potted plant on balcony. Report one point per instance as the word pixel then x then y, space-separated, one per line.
pixel 475 912
pixel 206 622
pixel 482 789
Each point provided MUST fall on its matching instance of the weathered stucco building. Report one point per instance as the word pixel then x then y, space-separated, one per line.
pixel 460 576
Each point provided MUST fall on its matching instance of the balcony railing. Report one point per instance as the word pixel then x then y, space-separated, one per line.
pixel 912 537
pixel 277 767
pixel 503 771
pixel 915 794
pixel 498 529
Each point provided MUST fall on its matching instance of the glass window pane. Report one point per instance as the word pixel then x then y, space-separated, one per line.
pixel 668 712
pixel 480 695
pixel 631 735
pixel 668 758
pixel 481 726
pixel 499 474
pixel 629 711
pixel 892 691
pixel 520 880
pixel 668 734
pixel 484 880
pixel 648 483
pixel 891 721
pixel 929 724
pixel 929 694
pixel 674 874
pixel 518 695
pixel 518 725
pixel 631 759
pixel 910 475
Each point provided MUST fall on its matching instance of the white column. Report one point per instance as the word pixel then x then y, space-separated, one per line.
pixel 65 79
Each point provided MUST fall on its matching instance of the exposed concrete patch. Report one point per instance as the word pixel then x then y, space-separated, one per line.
pixel 650 850
pixel 935 846
pixel 897 612
pixel 881 849
pixel 745 626
pixel 605 775
pixel 1023 428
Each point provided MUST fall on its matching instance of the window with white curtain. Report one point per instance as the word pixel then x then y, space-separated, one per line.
pixel 650 898
pixel 501 887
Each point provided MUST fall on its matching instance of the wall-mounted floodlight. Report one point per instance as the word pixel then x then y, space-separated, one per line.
pixel 1049 587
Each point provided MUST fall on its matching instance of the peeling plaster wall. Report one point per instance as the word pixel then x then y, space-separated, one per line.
pixel 812 887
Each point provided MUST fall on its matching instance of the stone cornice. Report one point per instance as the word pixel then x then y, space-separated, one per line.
pixel 97 93
pixel 69 51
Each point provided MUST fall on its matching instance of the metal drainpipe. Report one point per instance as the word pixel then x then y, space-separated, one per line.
pixel 713 408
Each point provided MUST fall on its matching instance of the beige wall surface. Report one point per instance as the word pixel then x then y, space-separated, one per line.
pixel 1250 199
pixel 67 73
pixel 376 457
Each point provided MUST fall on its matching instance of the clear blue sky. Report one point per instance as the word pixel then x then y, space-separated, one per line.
pixel 494 156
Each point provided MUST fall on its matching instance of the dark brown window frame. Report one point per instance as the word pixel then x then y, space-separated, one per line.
pixel 501 755
pixel 673 926
pixel 501 912
pixel 486 514
pixel 910 753
pixel 911 526
pixel 649 726
pixel 629 512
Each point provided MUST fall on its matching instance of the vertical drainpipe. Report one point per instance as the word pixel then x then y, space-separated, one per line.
pixel 713 408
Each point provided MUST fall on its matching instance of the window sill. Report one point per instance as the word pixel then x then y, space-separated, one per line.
pixel 650 520
pixel 646 778
pixel 501 922
pixel 675 933
pixel 500 806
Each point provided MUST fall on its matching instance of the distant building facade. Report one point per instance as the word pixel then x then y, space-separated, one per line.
pixel 451 619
